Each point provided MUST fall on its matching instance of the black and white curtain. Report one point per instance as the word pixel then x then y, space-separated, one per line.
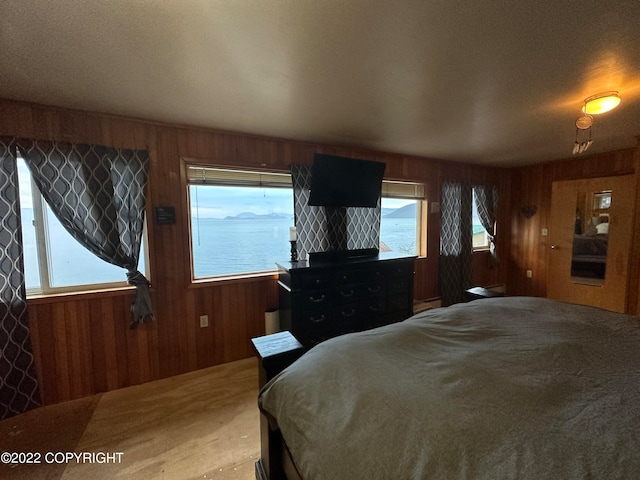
pixel 18 381
pixel 98 193
pixel 456 241
pixel 322 229
pixel 310 222
pixel 486 197
pixel 456 234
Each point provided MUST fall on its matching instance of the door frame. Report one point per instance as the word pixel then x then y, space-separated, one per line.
pixel 612 294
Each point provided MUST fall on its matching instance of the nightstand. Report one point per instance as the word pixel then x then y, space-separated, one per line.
pixel 275 353
pixel 477 293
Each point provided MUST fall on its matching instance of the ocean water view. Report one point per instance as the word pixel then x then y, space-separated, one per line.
pixel 239 245
pixel 220 247
pixel 235 230
pixel 69 262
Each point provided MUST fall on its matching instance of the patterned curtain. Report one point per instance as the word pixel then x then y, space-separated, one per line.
pixel 322 229
pixel 18 383
pixel 363 227
pixel 311 222
pixel 98 194
pixel 487 204
pixel 456 241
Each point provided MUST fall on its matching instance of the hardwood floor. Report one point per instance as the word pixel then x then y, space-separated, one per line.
pixel 203 424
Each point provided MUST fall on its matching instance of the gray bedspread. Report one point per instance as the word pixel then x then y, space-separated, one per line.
pixel 505 388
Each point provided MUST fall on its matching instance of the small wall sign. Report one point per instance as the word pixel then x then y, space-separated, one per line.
pixel 165 215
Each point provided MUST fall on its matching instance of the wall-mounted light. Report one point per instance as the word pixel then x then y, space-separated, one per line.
pixel 601 103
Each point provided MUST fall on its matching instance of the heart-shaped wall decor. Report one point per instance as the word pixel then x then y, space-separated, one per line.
pixel 529 210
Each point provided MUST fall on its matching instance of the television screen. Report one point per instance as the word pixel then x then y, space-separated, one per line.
pixel 345 182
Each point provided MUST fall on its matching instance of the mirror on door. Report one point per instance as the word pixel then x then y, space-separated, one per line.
pixel 591 236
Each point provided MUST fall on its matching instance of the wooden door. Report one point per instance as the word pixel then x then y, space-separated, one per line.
pixel 575 240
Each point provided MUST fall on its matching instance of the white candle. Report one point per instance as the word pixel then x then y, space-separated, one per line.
pixel 292 234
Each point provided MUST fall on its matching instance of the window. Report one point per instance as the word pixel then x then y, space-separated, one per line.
pixel 401 224
pixel 54 261
pixel 480 236
pixel 239 220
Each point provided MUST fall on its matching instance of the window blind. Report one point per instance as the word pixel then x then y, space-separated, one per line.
pixel 402 189
pixel 230 177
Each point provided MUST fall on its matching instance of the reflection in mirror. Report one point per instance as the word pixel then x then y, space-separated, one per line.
pixel 591 235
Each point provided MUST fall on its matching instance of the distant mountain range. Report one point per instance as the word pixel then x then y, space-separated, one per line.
pixel 255 216
pixel 408 211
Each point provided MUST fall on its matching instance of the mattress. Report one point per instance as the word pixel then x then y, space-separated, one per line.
pixel 503 388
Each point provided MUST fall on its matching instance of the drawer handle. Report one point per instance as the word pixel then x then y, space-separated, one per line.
pixel 375 289
pixel 350 313
pixel 374 308
pixel 319 299
pixel 318 320
pixel 347 293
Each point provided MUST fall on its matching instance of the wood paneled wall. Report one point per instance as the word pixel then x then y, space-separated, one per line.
pixel 83 344
pixel 529 250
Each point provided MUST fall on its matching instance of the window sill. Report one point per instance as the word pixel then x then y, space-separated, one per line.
pixel 239 278
pixel 44 298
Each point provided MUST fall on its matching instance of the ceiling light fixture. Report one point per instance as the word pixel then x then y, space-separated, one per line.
pixel 601 103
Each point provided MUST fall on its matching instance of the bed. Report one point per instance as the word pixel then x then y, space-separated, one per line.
pixel 589 255
pixel 501 388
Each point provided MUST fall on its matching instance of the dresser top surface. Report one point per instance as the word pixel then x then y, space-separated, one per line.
pixel 343 262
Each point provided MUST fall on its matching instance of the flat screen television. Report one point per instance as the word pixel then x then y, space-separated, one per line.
pixel 345 182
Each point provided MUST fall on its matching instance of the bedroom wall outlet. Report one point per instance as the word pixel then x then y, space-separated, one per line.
pixel 435 207
pixel 545 232
pixel 529 274
pixel 204 321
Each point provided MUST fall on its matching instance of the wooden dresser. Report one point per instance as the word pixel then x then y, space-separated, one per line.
pixel 325 298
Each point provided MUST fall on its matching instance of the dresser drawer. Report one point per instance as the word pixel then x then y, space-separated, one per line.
pixel 352 293
pixel 376 306
pixel 364 309
pixel 398 285
pixel 359 316
pixel 310 319
pixel 312 280
pixel 311 300
pixel 399 303
pixel 347 277
pixel 400 269
pixel 376 287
